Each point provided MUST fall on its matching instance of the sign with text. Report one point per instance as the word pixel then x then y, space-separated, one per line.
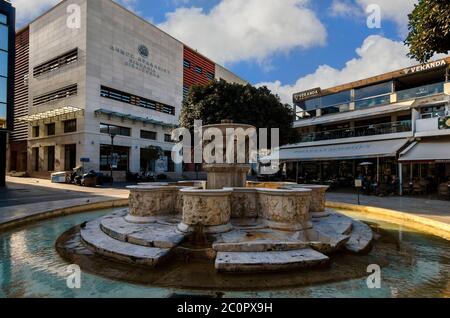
pixel 425 67
pixel 307 94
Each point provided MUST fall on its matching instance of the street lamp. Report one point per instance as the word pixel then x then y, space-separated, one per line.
pixel 112 135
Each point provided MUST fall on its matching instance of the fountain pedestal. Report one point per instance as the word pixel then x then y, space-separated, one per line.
pixel 225 175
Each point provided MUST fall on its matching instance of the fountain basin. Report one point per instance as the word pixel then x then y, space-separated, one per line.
pixel 209 209
pixel 318 200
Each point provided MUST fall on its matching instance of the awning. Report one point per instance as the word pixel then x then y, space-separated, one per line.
pixel 133 118
pixel 361 150
pixel 427 151
pixel 63 111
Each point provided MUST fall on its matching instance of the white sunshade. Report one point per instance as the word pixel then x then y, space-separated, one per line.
pixel 438 150
pixel 361 150
pixel 50 114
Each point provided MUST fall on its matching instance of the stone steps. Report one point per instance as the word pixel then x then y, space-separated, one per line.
pixel 361 238
pixel 235 262
pixel 160 235
pixel 99 242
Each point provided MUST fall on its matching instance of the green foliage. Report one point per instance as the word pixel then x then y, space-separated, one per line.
pixel 220 100
pixel 429 29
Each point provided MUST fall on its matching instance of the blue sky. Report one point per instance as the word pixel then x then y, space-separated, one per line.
pixel 287 45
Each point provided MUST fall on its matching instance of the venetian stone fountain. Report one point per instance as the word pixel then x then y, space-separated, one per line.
pixel 241 226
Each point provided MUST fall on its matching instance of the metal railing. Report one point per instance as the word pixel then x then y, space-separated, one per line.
pixel 362 131
pixel 416 92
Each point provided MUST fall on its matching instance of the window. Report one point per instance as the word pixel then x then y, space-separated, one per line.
pixel 116 130
pixel 70 157
pixel 35 159
pixel 35 132
pixel 185 91
pixel 210 76
pixel 127 98
pixel 198 70
pixel 170 163
pixel 56 63
pixel 186 64
pixel 70 126
pixel 432 111
pixel 3 19
pixel 120 155
pixel 59 94
pixel 168 138
pixel 50 158
pixel 3 64
pixel 50 128
pixel 150 135
pixel 4 36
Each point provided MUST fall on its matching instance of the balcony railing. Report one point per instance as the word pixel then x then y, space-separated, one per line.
pixel 373 101
pixel 422 91
pixel 362 131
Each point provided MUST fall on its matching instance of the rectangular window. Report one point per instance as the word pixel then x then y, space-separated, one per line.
pixel 36 131
pixel 186 64
pixel 210 76
pixel 168 138
pixel 56 63
pixel 198 70
pixel 51 158
pixel 432 111
pixel 4 36
pixel 150 135
pixel 51 129
pixel 115 130
pixel 70 126
pixel 35 159
pixel 3 19
pixel 3 116
pixel 127 98
pixel 117 155
pixel 185 91
pixel 3 64
pixel 3 90
pixel 170 163
pixel 59 94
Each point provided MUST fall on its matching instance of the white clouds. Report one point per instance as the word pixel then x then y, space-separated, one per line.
pixel 26 10
pixel 376 55
pixel 344 8
pixel 393 10
pixel 237 30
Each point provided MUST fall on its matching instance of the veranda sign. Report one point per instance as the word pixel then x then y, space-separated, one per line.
pixel 425 67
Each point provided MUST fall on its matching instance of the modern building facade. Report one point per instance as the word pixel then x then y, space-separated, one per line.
pixel 7 30
pixel 103 85
pixel 394 125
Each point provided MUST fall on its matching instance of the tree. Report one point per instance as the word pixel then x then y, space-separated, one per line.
pixel 247 104
pixel 429 29
pixel 149 154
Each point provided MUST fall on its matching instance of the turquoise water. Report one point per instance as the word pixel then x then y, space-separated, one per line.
pixel 30 267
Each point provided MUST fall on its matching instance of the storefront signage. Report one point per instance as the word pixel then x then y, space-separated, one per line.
pixel 307 94
pixel 425 67
pixel 140 61
pixel 444 122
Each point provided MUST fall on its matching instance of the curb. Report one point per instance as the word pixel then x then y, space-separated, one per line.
pixel 118 203
pixel 415 222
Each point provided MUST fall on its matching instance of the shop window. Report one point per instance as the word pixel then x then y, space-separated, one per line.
pixel 117 155
pixel 70 126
